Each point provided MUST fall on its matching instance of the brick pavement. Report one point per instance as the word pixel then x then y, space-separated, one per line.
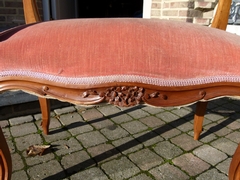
pixel 137 143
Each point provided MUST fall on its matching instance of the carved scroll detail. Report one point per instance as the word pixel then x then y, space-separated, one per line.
pixel 123 96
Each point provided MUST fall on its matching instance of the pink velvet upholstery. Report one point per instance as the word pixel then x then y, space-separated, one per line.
pixel 92 51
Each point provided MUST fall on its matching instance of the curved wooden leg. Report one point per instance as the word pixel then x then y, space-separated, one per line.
pixel 5 159
pixel 234 169
pixel 45 109
pixel 198 119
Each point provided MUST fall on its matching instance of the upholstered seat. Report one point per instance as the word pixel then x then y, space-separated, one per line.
pixel 93 52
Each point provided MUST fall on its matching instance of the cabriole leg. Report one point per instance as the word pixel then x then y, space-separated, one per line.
pixel 5 159
pixel 198 119
pixel 234 169
pixel 45 109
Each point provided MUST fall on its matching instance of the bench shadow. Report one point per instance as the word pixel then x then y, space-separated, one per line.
pixel 79 124
pixel 139 140
pixel 223 124
pixel 119 149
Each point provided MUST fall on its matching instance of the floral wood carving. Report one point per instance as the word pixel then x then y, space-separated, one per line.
pixel 123 96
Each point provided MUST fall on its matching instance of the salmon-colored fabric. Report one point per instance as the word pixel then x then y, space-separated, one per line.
pixel 91 51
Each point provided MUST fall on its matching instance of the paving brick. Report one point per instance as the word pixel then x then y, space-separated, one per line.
pixel 181 112
pixel 11 146
pixel 83 108
pixel 223 132
pixel 182 125
pixel 20 120
pixel 211 105
pixel 54 123
pixel 153 110
pixel 127 145
pixel 18 165
pixel 134 127
pixel 148 138
pixel 186 142
pixel 70 118
pixel 79 128
pixel 235 117
pixel 90 174
pixel 103 152
pixel 167 171
pixel 225 145
pixel 209 154
pixel 191 120
pixel 50 170
pixel 152 121
pixel 120 168
pixel 145 159
pixel 211 127
pixel 114 132
pixel 109 110
pixel 167 150
pixel 76 162
pixel 191 164
pixel 167 131
pixel 213 117
pixel 56 134
pixel 221 101
pixel 66 146
pixel 6 133
pixel 22 174
pixel 24 142
pixel 91 114
pixel 206 137
pixel 91 139
pixel 65 110
pixel 191 107
pixel 34 160
pixel 224 166
pixel 234 136
pixel 230 107
pixel 100 123
pixel 233 125
pixel 4 123
pixel 39 116
pixel 141 177
pixel 23 129
pixel 212 174
pixel 138 113
pixel 167 116
pixel 121 118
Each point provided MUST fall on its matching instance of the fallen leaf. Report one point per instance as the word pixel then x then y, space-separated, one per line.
pixel 36 150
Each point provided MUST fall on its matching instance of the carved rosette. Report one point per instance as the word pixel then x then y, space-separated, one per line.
pixel 121 96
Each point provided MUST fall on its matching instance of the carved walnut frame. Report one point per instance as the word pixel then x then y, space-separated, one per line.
pixel 120 94
pixel 123 94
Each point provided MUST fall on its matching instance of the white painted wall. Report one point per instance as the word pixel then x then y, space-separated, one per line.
pixel 235 29
pixel 147 4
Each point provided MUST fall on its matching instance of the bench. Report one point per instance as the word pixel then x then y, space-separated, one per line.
pixel 124 62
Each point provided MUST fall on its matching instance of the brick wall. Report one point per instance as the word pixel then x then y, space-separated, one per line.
pixel 11 13
pixel 198 11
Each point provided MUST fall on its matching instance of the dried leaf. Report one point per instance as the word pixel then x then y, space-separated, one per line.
pixel 36 150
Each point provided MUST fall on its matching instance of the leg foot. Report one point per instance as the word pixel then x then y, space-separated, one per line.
pixel 234 169
pixel 198 119
pixel 5 159
pixel 45 109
